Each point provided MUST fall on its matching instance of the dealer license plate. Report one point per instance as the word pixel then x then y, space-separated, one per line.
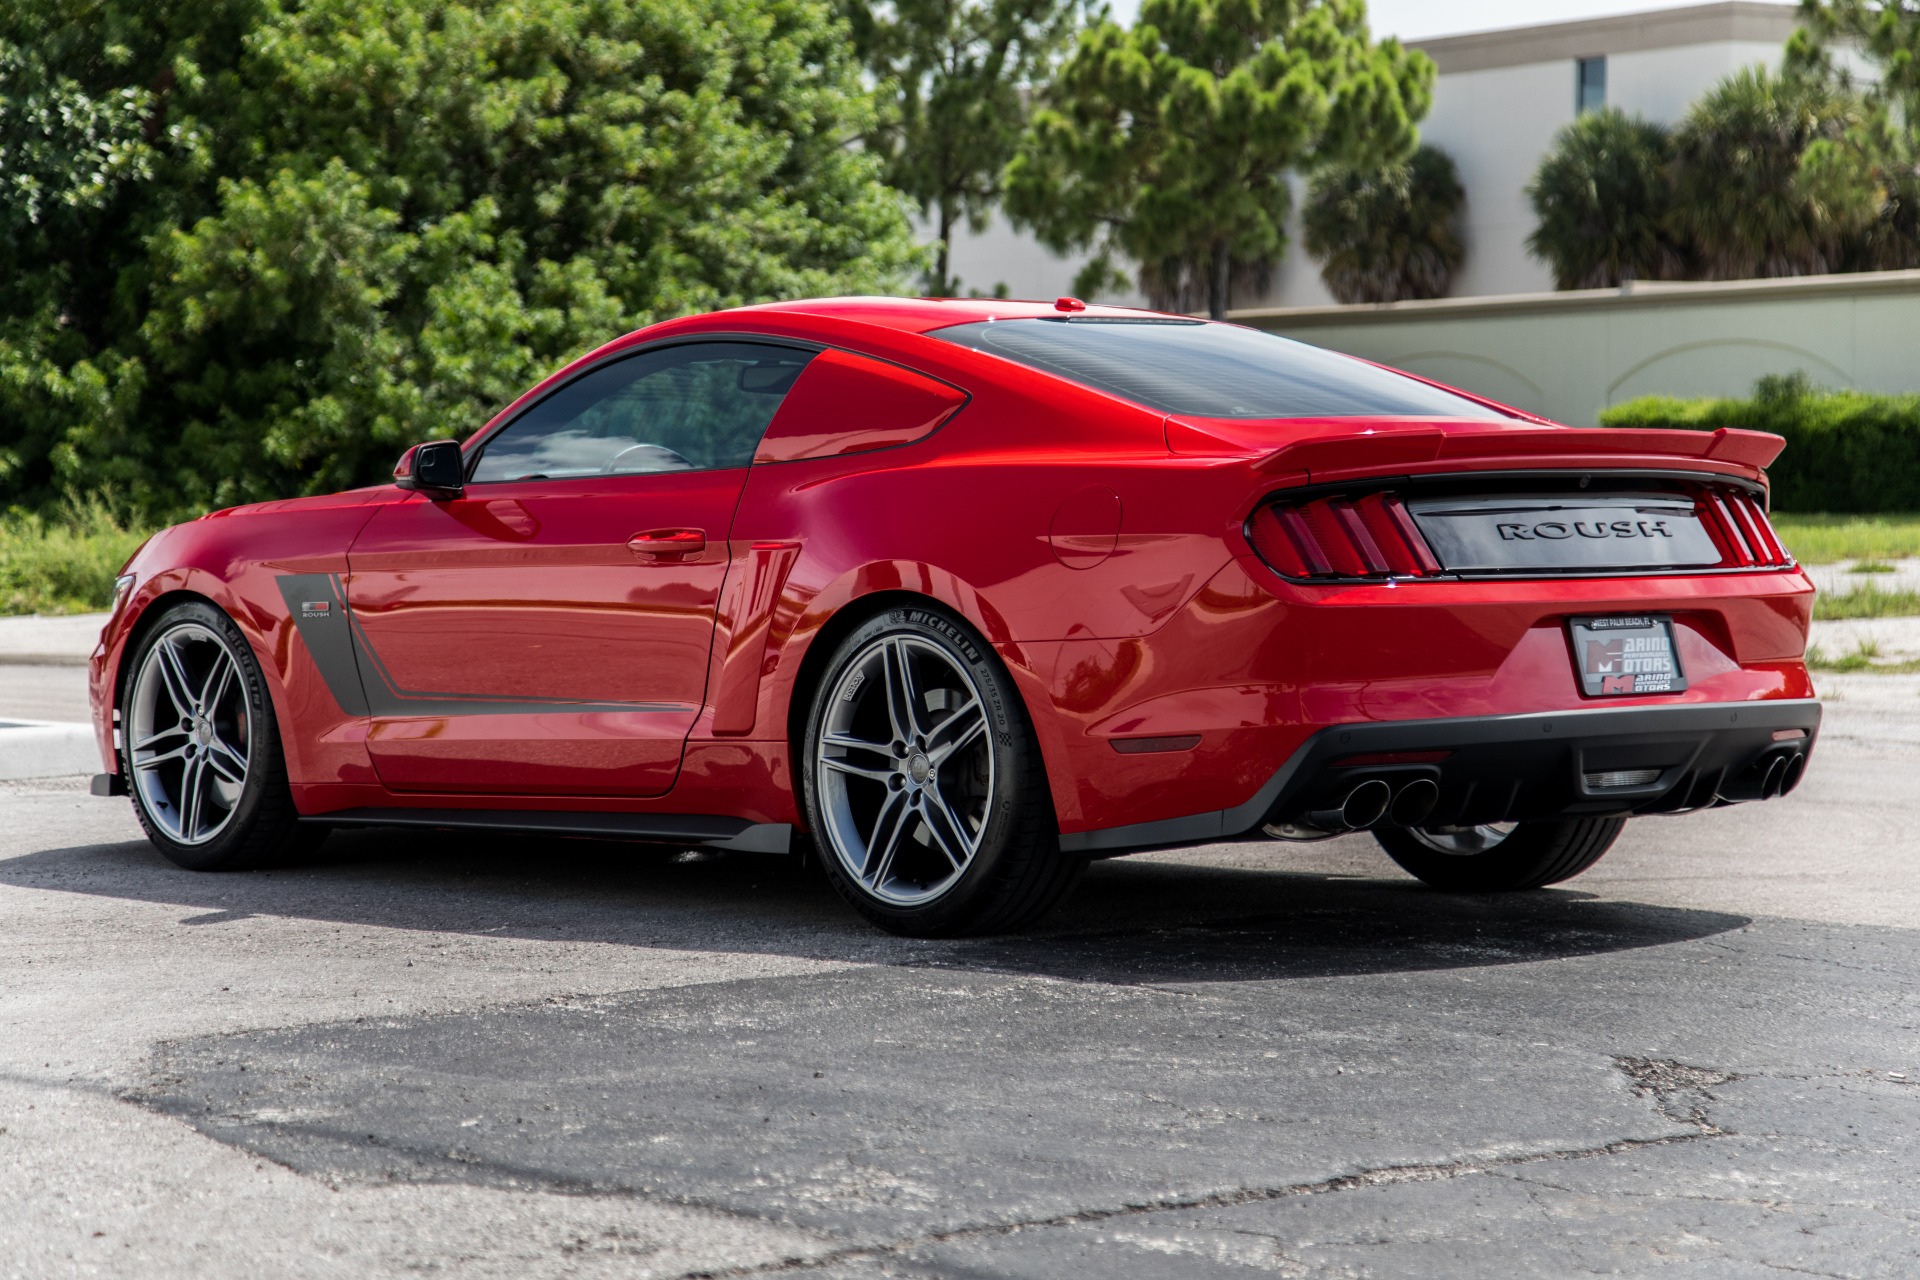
pixel 1627 654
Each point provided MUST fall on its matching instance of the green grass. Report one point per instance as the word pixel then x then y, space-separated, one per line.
pixel 1823 539
pixel 1865 657
pixel 1865 602
pixel 65 564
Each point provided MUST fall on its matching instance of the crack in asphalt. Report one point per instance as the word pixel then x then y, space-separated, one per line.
pixel 1386 1175
pixel 1667 1082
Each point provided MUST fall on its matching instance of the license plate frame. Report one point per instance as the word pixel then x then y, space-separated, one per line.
pixel 1636 666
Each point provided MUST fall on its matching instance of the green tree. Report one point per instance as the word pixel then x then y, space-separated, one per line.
pixel 1389 233
pixel 960 74
pixel 1602 203
pixel 302 233
pixel 1743 198
pixel 1170 144
pixel 1880 154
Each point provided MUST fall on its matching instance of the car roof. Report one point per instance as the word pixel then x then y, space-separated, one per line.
pixel 922 315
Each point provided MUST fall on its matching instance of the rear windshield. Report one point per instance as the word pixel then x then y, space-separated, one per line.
pixel 1211 370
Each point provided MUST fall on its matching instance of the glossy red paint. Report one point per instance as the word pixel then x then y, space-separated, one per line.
pixel 896 406
pixel 527 654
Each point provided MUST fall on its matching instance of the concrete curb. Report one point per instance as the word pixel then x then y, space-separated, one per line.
pixel 46 749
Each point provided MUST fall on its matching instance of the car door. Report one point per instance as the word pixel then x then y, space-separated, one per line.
pixel 547 632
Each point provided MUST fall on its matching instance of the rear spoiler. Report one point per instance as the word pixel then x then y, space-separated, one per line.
pixel 1322 456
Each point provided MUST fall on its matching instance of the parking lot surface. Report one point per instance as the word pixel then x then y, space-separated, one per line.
pixel 522 1057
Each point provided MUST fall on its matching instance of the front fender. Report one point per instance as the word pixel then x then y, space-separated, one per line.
pixel 233 560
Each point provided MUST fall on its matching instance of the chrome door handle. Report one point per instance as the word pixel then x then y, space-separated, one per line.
pixel 668 544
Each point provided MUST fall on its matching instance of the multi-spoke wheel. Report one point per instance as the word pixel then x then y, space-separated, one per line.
pixel 924 787
pixel 1494 857
pixel 198 744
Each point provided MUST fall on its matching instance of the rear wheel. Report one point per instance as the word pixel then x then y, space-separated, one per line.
pixel 1497 857
pixel 200 749
pixel 924 786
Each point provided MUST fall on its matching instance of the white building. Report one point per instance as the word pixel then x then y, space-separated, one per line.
pixel 1498 101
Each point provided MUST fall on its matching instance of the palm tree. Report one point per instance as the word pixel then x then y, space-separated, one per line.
pixel 1602 200
pixel 1387 233
pixel 1742 196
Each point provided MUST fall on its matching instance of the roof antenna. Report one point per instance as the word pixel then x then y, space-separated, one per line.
pixel 1069 304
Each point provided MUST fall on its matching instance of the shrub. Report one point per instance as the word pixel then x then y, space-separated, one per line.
pixel 1387 233
pixel 65 564
pixel 1846 450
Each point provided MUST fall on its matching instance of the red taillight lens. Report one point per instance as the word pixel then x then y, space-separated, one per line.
pixel 1372 537
pixel 1741 529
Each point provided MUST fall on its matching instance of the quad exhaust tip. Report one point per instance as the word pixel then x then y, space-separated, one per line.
pixel 1359 809
pixel 1414 802
pixel 1769 777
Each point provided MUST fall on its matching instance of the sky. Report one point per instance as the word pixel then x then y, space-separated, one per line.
pixel 1415 19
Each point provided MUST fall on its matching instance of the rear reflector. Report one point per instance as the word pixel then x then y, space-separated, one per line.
pixel 1379 758
pixel 1151 746
pixel 1622 778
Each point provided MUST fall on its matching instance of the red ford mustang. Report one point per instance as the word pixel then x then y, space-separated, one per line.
pixel 970 593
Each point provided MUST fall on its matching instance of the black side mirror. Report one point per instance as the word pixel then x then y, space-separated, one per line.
pixel 435 469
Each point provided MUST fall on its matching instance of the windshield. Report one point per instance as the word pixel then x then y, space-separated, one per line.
pixel 1211 370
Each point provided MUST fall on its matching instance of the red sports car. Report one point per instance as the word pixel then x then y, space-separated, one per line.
pixel 967 593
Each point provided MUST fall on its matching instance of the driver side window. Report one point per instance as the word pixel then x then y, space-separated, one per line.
pixel 699 406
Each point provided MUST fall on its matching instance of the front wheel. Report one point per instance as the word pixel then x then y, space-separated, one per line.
pixel 924 786
pixel 200 749
pixel 1498 857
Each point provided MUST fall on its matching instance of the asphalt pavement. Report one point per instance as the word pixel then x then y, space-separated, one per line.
pixel 524 1057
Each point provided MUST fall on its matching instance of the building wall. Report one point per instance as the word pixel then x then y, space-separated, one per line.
pixel 1001 256
pixel 1569 355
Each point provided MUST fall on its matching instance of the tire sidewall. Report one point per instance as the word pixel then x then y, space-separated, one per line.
pixel 263 741
pixel 1009 738
pixel 1533 856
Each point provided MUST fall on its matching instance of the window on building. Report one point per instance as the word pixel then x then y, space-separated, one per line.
pixel 1589 84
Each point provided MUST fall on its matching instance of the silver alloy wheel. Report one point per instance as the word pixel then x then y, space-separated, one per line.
pixel 1463 842
pixel 189 733
pixel 904 770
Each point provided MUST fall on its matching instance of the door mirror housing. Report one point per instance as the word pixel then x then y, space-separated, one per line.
pixel 435 469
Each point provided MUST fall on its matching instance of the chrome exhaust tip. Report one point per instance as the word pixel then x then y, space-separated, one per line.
pixel 1770 776
pixel 1414 802
pixel 1776 774
pixel 1790 778
pixel 1361 807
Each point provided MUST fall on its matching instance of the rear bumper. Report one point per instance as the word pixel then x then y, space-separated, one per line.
pixel 1514 767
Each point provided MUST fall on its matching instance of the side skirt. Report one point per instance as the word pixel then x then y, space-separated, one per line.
pixel 655 828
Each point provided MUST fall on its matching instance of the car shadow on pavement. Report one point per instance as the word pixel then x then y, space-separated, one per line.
pixel 1131 921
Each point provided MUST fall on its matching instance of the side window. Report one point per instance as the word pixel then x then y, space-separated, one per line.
pixel 699 406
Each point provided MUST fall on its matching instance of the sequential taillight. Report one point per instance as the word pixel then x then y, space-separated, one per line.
pixel 1368 537
pixel 1742 531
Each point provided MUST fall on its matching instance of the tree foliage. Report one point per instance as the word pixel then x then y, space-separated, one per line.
pixel 1388 233
pixel 1169 144
pixel 1744 198
pixel 1880 153
pixel 960 75
pixel 1601 201
pixel 253 247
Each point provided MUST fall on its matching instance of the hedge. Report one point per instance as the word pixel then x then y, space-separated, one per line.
pixel 1846 450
